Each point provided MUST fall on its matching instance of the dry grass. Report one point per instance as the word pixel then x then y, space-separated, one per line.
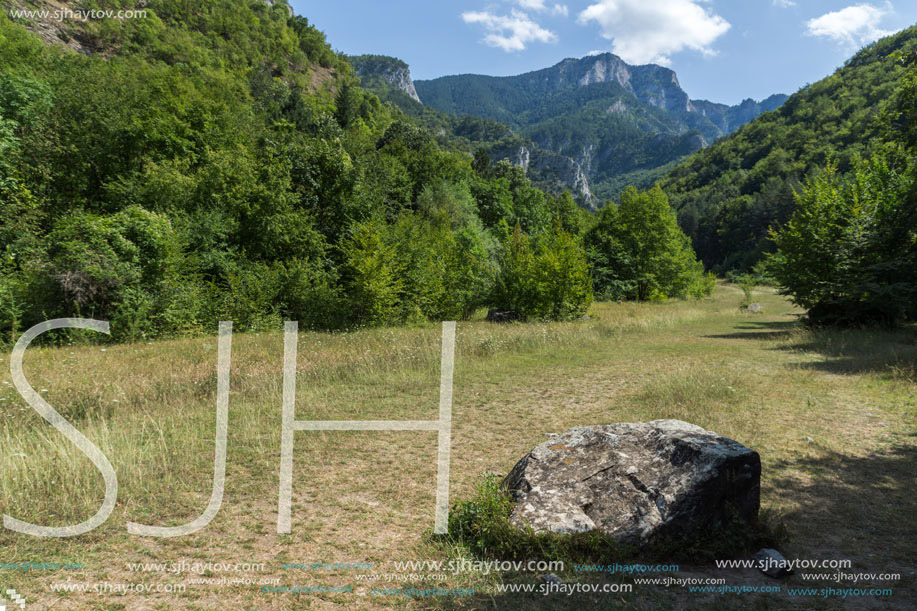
pixel 832 415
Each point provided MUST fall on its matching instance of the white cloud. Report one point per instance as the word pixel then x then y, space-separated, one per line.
pixel 594 52
pixel 509 32
pixel 540 6
pixel 857 24
pixel 650 31
pixel 784 3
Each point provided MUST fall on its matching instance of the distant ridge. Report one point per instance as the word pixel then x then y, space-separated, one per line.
pixel 620 123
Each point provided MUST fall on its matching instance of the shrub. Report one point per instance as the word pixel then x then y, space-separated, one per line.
pixel 12 307
pixel 309 293
pixel 747 283
pixel 701 285
pixel 451 229
pixel 470 272
pixel 482 526
pixel 96 261
pixel 563 280
pixel 494 200
pixel 515 288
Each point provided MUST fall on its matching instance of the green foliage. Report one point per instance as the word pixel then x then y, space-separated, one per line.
pixel 530 207
pixel 460 133
pixel 435 263
pixel 482 164
pixel 372 275
pixel 562 277
pixel 622 130
pixel 747 283
pixel 515 288
pixel 349 107
pixel 218 161
pixel 571 217
pixel 700 285
pixel 639 252
pixel 549 280
pixel 93 259
pixel 731 194
pixel 849 253
pixel 494 199
pixel 312 43
pixel 901 119
pixel 260 295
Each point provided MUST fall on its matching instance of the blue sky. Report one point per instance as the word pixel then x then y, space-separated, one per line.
pixel 722 50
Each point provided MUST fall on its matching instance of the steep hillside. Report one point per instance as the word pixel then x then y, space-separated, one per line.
pixel 389 70
pixel 389 78
pixel 216 160
pixel 617 122
pixel 731 193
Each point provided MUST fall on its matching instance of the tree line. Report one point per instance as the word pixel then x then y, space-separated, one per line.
pixel 217 161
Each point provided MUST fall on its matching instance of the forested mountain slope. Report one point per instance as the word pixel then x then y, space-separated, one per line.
pixel 619 123
pixel 216 160
pixel 731 193
pixel 389 78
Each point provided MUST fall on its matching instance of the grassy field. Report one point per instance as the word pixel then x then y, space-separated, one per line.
pixel 831 413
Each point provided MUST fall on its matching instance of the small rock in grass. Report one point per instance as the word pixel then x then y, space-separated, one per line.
pixel 503 316
pixel 772 563
pixel 550 578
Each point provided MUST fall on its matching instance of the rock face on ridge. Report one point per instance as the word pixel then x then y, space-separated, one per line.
pixel 511 99
pixel 636 481
pixel 553 171
pixel 631 120
pixel 390 69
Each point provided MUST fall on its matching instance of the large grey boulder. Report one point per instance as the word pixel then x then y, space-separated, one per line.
pixel 635 481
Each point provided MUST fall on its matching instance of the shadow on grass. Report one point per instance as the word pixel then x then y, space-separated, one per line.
pixel 888 352
pixel 891 353
pixel 764 330
pixel 857 503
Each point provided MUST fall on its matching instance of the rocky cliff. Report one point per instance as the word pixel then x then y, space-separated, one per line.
pixel 616 122
pixel 550 170
pixel 730 118
pixel 590 125
pixel 390 69
pixel 651 84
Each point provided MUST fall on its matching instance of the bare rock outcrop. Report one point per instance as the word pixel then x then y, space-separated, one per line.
pixel 635 481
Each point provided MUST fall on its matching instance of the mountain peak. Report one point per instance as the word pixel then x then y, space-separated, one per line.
pixel 605 67
pixel 612 119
